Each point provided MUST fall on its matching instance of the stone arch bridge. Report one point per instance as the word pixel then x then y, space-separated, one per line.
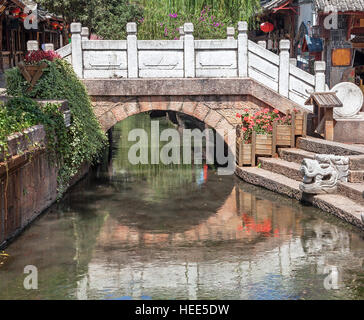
pixel 210 80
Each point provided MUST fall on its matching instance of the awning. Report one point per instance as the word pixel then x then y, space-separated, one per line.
pixel 314 44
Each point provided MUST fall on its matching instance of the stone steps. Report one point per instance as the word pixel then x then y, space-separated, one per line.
pixel 297 155
pixel 316 145
pixel 353 191
pixel 271 181
pixel 294 155
pixel 339 205
pixel 288 169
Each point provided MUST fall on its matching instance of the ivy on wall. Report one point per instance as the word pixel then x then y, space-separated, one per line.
pixel 72 147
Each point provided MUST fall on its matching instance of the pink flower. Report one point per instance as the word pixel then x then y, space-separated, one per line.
pixel 275 111
pixel 238 115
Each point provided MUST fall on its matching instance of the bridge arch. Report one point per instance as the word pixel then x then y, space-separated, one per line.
pixel 212 101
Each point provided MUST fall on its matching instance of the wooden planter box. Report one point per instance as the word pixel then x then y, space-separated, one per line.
pixel 32 73
pixel 243 153
pixel 262 145
pixel 283 135
pixel 299 122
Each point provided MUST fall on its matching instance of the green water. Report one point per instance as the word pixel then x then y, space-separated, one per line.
pixel 181 232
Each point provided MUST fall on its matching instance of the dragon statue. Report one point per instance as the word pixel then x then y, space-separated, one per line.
pixel 322 174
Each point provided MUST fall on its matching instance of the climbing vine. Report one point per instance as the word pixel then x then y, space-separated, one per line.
pixel 72 147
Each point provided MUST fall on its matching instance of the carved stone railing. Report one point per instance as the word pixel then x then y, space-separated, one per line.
pixel 190 58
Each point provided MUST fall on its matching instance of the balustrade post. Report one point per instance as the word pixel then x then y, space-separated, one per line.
pixel 320 77
pixel 181 33
pixel 243 49
pixel 263 44
pixel 230 33
pixel 133 68
pixel 77 56
pixel 284 46
pixel 190 69
pixel 32 45
pixel 85 33
pixel 49 47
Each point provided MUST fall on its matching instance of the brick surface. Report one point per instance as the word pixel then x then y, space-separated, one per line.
pixel 160 102
pixel 119 112
pixel 201 111
pixel 131 108
pixel 213 118
pixel 189 106
pixel 144 104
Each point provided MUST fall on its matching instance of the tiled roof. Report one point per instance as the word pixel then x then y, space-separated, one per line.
pixel 340 5
pixel 271 4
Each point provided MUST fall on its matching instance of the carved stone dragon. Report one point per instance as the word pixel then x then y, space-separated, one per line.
pixel 322 174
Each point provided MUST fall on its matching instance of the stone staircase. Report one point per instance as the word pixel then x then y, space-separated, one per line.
pixel 282 175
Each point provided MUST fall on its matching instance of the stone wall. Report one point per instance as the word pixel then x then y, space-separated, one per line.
pixel 28 183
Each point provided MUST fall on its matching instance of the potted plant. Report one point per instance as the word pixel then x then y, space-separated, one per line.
pixel 283 132
pixel 256 134
pixel 243 141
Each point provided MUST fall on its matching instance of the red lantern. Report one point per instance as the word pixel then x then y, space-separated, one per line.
pixel 23 16
pixel 54 25
pixel 267 27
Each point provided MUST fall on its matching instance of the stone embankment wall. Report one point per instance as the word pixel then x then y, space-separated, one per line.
pixel 28 182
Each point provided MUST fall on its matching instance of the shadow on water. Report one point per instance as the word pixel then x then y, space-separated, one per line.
pixel 182 232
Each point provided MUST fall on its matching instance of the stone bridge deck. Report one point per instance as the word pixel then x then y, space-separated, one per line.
pixel 213 101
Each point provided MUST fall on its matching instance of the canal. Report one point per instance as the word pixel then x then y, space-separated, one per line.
pixel 181 232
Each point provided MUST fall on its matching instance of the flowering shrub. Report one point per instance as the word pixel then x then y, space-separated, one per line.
pixel 261 122
pixel 34 57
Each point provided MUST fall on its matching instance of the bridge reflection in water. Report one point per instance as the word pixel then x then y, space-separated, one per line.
pixel 182 233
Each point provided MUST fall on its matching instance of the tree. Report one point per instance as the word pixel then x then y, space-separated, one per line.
pixel 106 18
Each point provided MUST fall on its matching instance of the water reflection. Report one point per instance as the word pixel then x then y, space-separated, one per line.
pixel 182 233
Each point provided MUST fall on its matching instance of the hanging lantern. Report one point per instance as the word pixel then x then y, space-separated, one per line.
pixel 54 25
pixel 267 27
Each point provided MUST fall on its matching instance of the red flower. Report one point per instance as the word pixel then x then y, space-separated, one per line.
pixel 275 111
pixel 245 129
pixel 246 110
pixel 238 115
pixel 246 119
pixel 39 55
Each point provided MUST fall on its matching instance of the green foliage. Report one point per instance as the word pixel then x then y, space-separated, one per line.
pixel 84 140
pixel 20 113
pixel 210 17
pixel 106 18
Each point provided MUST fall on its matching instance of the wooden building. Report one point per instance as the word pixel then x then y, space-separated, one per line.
pixel 282 14
pixel 14 35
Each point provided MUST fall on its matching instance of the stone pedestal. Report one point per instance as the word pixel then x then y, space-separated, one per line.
pixel 350 130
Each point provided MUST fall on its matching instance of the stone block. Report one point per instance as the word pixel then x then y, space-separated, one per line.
pixel 213 118
pixel 160 102
pixel 145 104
